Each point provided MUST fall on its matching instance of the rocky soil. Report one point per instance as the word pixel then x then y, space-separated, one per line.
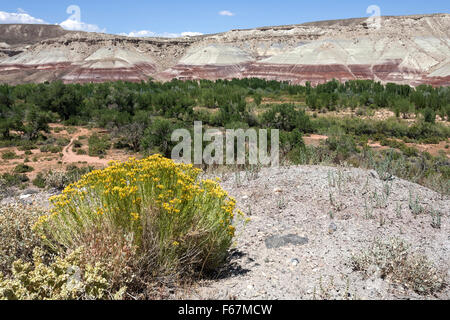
pixel 298 244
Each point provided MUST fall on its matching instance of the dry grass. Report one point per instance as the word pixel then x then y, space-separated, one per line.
pixel 394 260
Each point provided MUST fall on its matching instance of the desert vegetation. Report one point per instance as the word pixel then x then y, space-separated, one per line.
pixel 121 230
pixel 141 116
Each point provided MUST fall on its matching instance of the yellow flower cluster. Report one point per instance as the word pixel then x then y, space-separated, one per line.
pixel 126 193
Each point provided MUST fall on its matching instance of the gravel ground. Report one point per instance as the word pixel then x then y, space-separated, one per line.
pixel 298 245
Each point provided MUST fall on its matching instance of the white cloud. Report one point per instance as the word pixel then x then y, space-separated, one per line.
pixel 147 33
pixel 226 13
pixel 21 17
pixel 137 34
pixel 191 34
pixel 74 25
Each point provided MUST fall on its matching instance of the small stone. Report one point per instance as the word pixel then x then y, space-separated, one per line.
pixel 295 262
pixel 275 242
pixel 244 197
pixel 332 228
pixel 30 192
pixel 277 190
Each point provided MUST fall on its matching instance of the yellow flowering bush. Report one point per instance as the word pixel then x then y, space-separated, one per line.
pixel 171 216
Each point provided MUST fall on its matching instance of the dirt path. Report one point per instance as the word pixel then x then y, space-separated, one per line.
pixel 71 157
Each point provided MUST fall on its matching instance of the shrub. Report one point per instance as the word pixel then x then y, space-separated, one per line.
pixel 394 259
pixel 51 149
pixel 343 144
pixel 9 155
pixel 27 145
pixel 17 240
pixel 23 168
pixel 81 152
pixel 429 115
pixel 157 137
pixel 12 180
pixel 67 278
pixel 77 144
pixel 176 222
pixel 98 145
pixel 74 173
pixel 39 181
pixel 59 179
pixel 62 142
pixel 291 140
pixel 286 117
pixel 56 179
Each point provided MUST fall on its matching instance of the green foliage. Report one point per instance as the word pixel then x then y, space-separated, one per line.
pixel 98 145
pixel 257 98
pixel 402 106
pixel 62 142
pixel 290 141
pixel 77 144
pixel 26 145
pixel 9 155
pixel 51 149
pixel 344 145
pixel 13 180
pixel 36 120
pixel 23 168
pixel 287 118
pixel 429 115
pixel 157 137
pixel 11 118
pixel 39 181
pixel 141 116
pixel 81 152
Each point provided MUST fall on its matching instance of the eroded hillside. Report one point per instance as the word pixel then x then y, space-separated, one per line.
pixel 409 49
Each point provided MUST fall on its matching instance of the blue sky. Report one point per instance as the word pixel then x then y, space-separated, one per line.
pixel 177 16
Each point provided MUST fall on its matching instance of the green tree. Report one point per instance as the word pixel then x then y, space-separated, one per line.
pixel 10 119
pixel 157 137
pixel 429 115
pixel 402 106
pixel 35 122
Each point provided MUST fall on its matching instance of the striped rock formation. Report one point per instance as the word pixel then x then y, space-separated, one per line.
pixel 409 50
